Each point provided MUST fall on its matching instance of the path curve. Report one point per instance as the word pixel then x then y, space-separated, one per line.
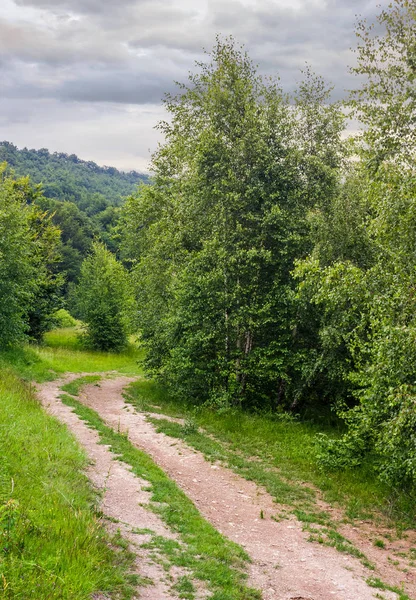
pixel 285 566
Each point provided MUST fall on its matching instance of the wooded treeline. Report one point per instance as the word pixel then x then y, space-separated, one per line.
pixel 270 265
pixel 274 262
pixel 82 198
pixel 68 178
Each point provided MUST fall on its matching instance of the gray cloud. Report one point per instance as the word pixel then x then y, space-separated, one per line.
pixel 127 53
pixel 115 135
pixel 117 86
pixel 137 37
pixel 77 6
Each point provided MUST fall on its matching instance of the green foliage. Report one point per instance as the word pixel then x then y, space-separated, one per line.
pixel 367 334
pixel 80 198
pixel 78 230
pixel 62 318
pixel 366 302
pixel 386 102
pixel 103 300
pixel 49 281
pixel 335 453
pixel 213 241
pixel 28 253
pixel 17 267
pixel 77 234
pixel 68 178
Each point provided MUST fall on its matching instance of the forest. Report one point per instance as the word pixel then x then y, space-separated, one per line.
pixel 82 199
pixel 66 177
pixel 266 268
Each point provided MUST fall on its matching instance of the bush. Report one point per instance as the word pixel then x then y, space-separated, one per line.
pixel 103 299
pixel 62 318
pixel 333 454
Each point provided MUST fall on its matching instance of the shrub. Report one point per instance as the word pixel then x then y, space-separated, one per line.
pixel 62 318
pixel 103 299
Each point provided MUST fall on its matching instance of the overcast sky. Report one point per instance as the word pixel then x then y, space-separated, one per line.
pixel 87 76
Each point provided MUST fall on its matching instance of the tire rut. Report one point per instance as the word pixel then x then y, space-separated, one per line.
pixel 122 500
pixel 285 566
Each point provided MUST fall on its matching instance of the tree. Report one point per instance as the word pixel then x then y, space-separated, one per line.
pixel 77 234
pixel 49 281
pixel 28 253
pixel 213 241
pixel 17 272
pixel 367 300
pixel 103 300
pixel 386 101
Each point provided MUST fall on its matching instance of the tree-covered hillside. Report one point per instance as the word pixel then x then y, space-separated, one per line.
pixel 82 198
pixel 67 177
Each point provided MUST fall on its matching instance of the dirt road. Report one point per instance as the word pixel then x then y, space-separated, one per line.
pixel 285 566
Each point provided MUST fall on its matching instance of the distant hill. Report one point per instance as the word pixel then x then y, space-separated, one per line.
pixel 67 177
pixel 83 199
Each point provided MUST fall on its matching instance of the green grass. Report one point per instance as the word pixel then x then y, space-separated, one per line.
pixel 25 362
pixel 62 353
pixel 51 543
pixel 63 337
pixel 377 583
pixel 330 537
pixel 276 453
pixel 211 557
pixel 74 387
pixel 185 589
pixel 280 489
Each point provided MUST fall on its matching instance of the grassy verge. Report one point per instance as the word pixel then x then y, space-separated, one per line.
pixel 25 362
pixel 279 454
pixel 63 353
pixel 205 552
pixel 51 543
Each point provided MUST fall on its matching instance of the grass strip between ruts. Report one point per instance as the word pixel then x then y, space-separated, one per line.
pixel 74 387
pixel 209 555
